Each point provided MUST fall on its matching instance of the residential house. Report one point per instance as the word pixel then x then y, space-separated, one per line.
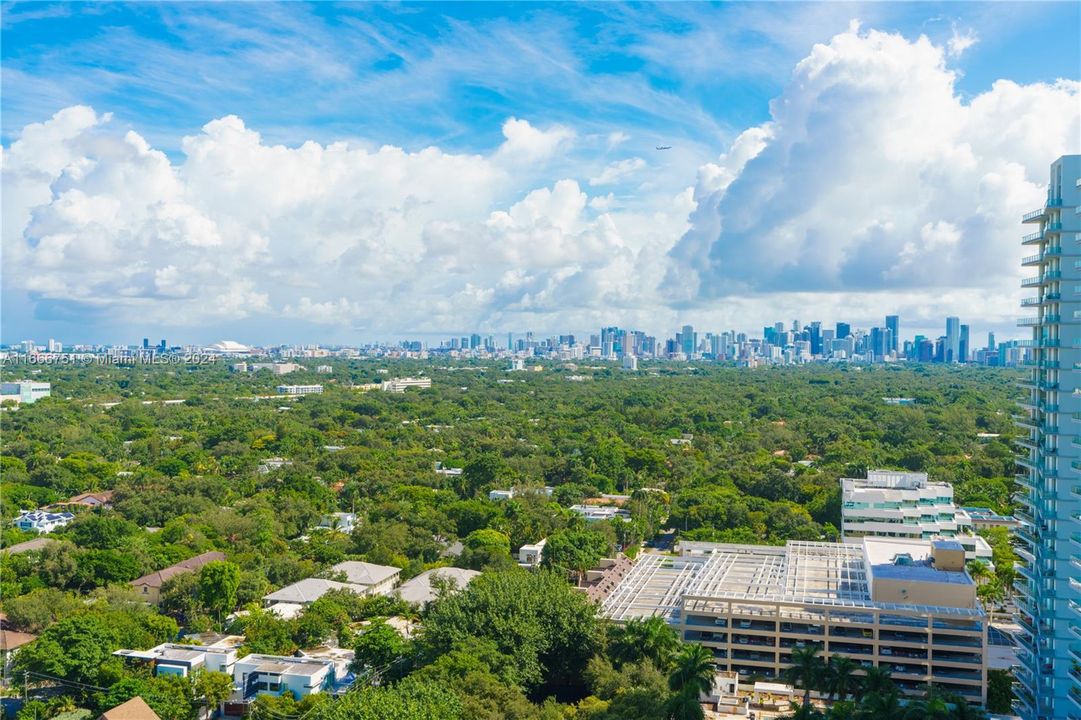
pixel 134 709
pixel 42 521
pixel 424 588
pixel 149 586
pixel 183 660
pixel 10 642
pixel 307 591
pixel 376 579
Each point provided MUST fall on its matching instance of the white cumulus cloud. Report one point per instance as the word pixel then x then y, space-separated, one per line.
pixel 875 176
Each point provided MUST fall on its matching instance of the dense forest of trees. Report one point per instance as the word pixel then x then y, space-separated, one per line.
pixel 766 450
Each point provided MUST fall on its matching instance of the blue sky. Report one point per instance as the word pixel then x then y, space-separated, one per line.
pixel 616 80
pixel 449 73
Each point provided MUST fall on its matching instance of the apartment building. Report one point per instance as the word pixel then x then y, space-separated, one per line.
pixel 906 605
pixel 890 503
pixel 300 389
pixel 1049 533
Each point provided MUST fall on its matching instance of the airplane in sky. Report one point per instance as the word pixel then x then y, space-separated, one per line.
pixel 664 147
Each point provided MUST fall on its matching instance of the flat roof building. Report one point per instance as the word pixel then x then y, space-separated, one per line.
pixel 889 503
pixel 399 385
pixel 24 392
pixel 300 389
pixel 906 605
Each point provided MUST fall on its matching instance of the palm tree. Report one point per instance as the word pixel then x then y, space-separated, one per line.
pixel 805 671
pixel 684 705
pixel 878 681
pixel 693 671
pixel 651 639
pixel 840 679
pixel 929 708
pixel 880 705
pixel 803 712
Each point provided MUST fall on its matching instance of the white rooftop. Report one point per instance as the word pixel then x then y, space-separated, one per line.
pixel 365 573
pixel 309 590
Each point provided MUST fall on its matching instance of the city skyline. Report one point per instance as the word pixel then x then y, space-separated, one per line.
pixel 354 173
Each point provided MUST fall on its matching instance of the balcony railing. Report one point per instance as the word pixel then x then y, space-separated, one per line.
pixel 1031 238
pixel 1034 215
pixel 1028 321
pixel 1052 227
pixel 1032 259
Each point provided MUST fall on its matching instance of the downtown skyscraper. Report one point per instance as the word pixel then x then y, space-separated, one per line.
pixel 1049 574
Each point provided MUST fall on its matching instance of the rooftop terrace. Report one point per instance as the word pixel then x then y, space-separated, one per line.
pixel 800 573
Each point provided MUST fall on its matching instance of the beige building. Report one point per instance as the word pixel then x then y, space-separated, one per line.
pixel 906 605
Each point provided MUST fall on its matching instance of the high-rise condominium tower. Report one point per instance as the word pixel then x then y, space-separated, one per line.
pixel 893 324
pixel 1049 574
pixel 952 352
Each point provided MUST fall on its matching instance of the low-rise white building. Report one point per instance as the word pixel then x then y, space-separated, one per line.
pixel 300 389
pixel 340 521
pixel 24 392
pixel 276 368
pixel 42 521
pixel 399 385
pixel 276 675
pixel 593 513
pixel 184 660
pixel 530 555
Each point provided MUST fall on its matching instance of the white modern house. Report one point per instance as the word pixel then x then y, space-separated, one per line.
pixel 340 521
pixel 896 504
pixel 42 521
pixel 530 555
pixel 276 675
pixel 253 675
pixel 184 660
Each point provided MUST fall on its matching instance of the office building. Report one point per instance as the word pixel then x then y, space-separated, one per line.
pixel 688 341
pixel 964 351
pixel 905 605
pixel 24 392
pixel 906 505
pixel 1048 585
pixel 843 330
pixel 952 348
pixel 893 324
